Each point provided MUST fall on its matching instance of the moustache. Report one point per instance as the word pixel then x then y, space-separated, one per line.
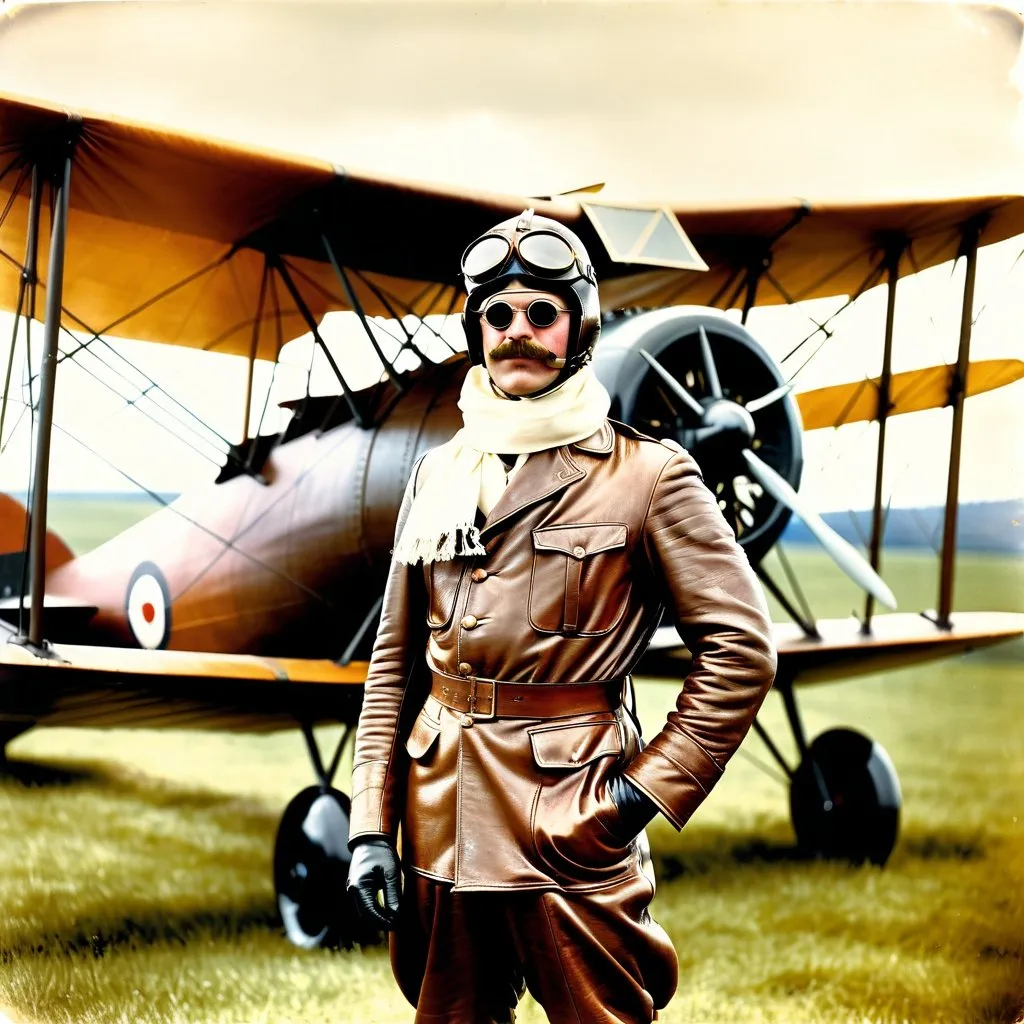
pixel 526 348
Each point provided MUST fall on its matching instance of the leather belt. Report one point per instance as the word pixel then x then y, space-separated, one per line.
pixel 490 698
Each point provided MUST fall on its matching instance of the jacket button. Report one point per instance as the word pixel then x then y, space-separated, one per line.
pixel 578 551
pixel 469 622
pixel 465 669
pixel 479 575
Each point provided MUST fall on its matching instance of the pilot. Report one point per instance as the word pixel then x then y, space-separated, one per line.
pixel 535 554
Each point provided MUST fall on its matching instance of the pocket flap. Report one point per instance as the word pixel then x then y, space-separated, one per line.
pixel 570 746
pixel 423 736
pixel 580 540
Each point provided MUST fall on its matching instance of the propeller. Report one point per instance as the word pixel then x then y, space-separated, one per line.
pixel 844 554
pixel 732 425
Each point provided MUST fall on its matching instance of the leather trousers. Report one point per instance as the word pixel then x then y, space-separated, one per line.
pixel 593 956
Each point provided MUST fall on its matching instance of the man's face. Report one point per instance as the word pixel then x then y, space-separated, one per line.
pixel 515 356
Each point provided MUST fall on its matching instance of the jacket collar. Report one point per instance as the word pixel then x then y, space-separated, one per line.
pixel 600 442
pixel 542 476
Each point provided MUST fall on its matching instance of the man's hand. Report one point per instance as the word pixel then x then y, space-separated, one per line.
pixel 374 869
pixel 635 808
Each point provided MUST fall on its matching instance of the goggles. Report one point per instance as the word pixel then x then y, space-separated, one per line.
pixel 542 252
pixel 499 314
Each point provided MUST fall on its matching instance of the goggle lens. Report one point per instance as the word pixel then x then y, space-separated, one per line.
pixel 546 251
pixel 540 313
pixel 484 255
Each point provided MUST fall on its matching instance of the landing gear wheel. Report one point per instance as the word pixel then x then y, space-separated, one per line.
pixel 845 799
pixel 311 860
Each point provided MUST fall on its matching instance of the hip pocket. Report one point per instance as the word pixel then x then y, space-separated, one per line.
pixel 424 732
pixel 573 813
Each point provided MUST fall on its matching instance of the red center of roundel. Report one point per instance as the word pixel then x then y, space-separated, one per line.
pixel 148 612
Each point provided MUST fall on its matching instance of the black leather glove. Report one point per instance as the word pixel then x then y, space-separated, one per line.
pixel 375 868
pixel 635 808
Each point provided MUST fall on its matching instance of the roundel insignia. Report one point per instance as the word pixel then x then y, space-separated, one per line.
pixel 148 607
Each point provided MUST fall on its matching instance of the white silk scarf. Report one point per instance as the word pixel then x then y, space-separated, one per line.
pixel 466 472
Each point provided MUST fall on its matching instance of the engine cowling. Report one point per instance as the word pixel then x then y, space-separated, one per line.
pixel 646 361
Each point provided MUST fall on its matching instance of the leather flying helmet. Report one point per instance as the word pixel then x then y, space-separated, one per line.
pixel 540 254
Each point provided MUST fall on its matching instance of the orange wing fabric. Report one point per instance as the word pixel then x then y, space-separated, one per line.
pixel 912 391
pixel 170 236
pixel 109 686
pixel 843 650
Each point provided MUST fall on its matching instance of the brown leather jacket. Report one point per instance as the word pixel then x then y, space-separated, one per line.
pixel 587 545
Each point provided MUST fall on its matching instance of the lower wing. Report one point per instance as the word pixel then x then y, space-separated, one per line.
pixel 842 649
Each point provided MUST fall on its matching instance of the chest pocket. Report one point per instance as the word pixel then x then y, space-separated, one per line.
pixel 580 581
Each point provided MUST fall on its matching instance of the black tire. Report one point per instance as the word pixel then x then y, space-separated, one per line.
pixel 845 799
pixel 311 860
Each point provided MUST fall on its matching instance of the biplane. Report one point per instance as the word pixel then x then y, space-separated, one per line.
pixel 251 603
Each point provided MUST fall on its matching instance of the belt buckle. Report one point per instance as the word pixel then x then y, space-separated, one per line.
pixel 472 713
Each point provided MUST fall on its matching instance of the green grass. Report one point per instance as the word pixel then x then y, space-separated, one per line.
pixel 86 523
pixel 137 864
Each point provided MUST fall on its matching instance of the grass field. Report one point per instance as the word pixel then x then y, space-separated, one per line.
pixel 85 524
pixel 137 864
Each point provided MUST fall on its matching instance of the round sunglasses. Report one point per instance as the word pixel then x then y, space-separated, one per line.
pixel 541 313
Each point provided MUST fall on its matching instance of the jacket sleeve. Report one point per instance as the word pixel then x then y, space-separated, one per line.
pixel 380 761
pixel 720 612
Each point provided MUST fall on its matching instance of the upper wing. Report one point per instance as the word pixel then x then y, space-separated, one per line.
pixel 185 240
pixel 842 650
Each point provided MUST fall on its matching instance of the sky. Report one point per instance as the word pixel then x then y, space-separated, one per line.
pixel 839 464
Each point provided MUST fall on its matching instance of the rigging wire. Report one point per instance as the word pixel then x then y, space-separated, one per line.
pixel 228 544
pixel 794 582
pixel 133 403
pixel 14 430
pixel 763 766
pixel 151 385
pixel 869 282
pixel 15 191
pixel 393 313
pixel 391 301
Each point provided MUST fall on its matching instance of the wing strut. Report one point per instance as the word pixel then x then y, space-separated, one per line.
pixel 957 393
pixel 892 264
pixel 26 286
pixel 51 331
pixel 304 310
pixel 805 622
pixel 253 349
pixel 357 308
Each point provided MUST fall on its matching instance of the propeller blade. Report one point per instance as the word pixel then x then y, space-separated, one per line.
pixel 710 370
pixel 765 400
pixel 675 387
pixel 843 554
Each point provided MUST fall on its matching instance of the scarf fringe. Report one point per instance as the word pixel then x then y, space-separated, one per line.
pixel 463 540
